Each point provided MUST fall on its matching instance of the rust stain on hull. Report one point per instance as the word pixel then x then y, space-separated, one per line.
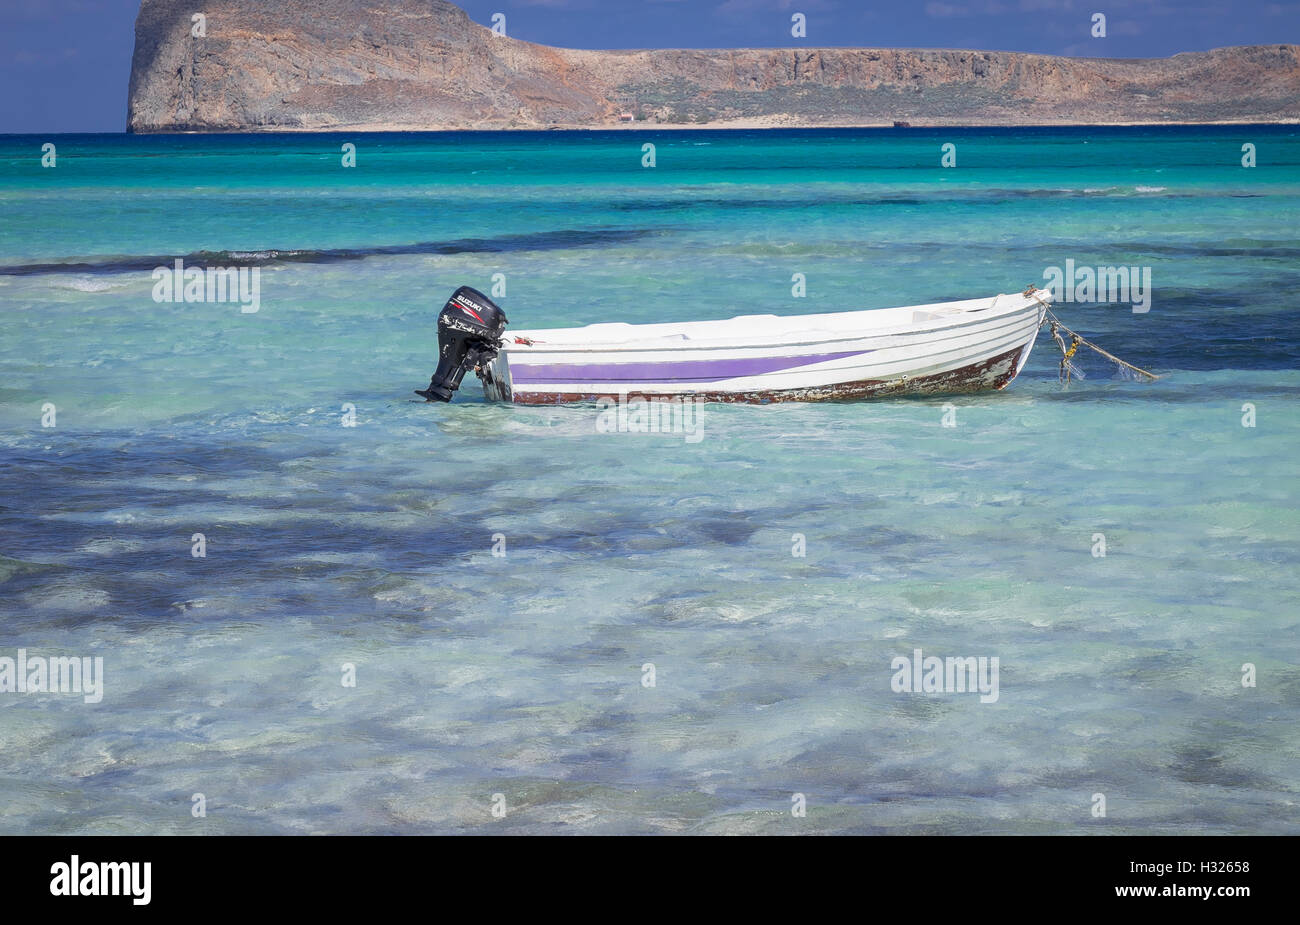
pixel 987 375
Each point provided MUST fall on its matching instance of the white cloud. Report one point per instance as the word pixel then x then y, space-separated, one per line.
pixel 937 9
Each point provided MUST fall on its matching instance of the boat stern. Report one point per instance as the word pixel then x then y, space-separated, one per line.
pixel 495 376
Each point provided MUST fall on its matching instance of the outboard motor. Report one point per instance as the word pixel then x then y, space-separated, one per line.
pixel 469 335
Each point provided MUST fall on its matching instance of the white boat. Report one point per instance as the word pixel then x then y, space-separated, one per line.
pixel 942 348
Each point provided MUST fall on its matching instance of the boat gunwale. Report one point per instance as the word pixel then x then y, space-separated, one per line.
pixel 522 353
pixel 1007 336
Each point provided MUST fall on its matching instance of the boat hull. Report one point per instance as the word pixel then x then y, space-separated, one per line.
pixel 941 349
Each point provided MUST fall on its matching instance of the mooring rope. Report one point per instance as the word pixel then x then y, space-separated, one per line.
pixel 1067 368
pixel 1049 317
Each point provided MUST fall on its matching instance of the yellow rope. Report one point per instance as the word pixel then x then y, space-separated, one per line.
pixel 1076 339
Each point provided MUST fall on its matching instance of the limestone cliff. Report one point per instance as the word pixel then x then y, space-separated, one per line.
pixel 423 64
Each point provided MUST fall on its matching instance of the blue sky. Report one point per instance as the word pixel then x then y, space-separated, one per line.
pixel 64 64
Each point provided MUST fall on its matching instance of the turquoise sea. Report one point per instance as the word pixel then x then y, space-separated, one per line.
pixel 521 683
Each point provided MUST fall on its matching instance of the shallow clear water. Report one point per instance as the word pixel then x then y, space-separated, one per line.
pixel 522 675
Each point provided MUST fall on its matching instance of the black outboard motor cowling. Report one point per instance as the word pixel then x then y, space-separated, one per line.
pixel 469 334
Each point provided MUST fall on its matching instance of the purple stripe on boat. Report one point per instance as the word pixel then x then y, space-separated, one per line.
pixel 525 373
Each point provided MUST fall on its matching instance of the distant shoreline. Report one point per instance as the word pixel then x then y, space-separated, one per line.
pixel 285 68
pixel 734 125
pixel 374 129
